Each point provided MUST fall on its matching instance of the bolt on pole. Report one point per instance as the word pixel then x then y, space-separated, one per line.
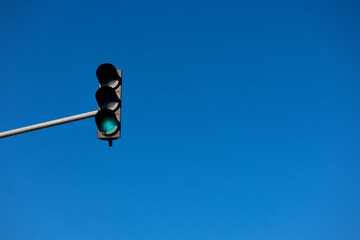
pixel 48 124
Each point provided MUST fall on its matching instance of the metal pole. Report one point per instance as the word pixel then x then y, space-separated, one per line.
pixel 48 124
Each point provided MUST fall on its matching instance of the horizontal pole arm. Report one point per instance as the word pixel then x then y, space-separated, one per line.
pixel 48 124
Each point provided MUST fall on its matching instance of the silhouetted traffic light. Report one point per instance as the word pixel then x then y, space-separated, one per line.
pixel 108 96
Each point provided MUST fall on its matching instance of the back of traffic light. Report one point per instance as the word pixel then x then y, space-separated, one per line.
pixel 108 96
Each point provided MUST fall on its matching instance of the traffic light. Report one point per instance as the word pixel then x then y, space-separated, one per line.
pixel 108 96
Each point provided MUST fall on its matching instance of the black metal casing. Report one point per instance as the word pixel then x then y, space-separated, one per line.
pixel 108 97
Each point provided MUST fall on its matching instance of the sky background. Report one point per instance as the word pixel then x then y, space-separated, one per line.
pixel 240 120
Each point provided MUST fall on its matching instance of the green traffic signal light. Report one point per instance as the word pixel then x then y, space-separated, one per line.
pixel 108 97
pixel 108 125
pixel 107 122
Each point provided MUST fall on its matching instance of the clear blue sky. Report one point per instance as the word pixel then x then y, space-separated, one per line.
pixel 240 120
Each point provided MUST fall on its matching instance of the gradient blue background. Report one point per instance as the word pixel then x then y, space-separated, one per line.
pixel 241 120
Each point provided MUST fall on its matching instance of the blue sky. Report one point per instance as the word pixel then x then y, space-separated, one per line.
pixel 240 120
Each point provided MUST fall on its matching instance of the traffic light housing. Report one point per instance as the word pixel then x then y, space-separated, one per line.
pixel 108 96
